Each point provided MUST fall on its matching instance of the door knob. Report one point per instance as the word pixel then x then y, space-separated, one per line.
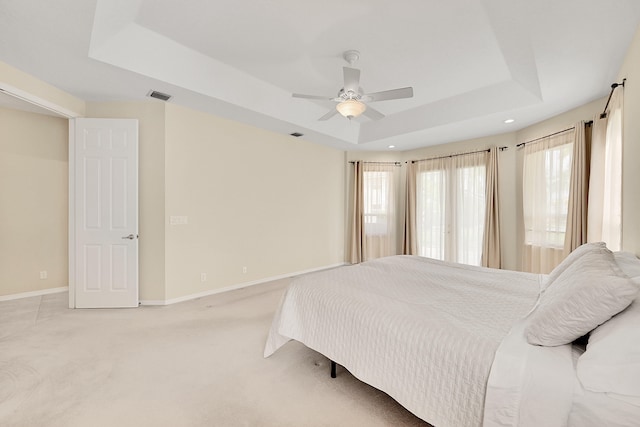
pixel 130 237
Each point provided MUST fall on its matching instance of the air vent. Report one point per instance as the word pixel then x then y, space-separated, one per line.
pixel 159 95
pixel 297 134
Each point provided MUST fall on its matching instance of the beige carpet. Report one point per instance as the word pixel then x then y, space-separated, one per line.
pixel 197 363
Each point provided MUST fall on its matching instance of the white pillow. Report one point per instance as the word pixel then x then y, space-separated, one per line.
pixel 628 263
pixel 586 294
pixel 611 363
pixel 571 258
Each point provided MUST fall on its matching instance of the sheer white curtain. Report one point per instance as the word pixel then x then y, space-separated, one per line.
pixel 431 208
pixel 374 222
pixel 450 207
pixel 379 197
pixel 545 195
pixel 604 221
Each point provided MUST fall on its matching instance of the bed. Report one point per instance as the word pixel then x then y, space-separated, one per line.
pixel 442 339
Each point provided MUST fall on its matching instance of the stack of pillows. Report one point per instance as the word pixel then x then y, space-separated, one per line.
pixel 594 290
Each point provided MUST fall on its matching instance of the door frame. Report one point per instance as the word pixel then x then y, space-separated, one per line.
pixel 72 214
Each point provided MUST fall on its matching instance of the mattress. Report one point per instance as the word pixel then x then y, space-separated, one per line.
pixel 421 330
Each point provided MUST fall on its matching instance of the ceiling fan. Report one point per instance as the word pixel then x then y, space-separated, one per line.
pixel 351 98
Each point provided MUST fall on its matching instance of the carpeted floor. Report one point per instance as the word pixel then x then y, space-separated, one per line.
pixel 197 363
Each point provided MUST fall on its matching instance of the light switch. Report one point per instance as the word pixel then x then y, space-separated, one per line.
pixel 178 220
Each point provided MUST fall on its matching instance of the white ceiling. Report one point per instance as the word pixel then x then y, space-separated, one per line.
pixel 472 63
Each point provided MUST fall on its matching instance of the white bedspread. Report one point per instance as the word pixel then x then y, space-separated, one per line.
pixel 423 331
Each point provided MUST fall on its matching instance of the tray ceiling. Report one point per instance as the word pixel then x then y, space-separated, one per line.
pixel 472 63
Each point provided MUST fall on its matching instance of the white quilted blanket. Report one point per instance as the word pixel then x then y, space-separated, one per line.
pixel 421 330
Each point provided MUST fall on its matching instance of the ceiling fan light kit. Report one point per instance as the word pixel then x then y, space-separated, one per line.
pixel 350 98
pixel 351 108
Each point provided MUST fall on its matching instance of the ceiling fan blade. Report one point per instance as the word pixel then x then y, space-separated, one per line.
pixel 372 113
pixel 405 92
pixel 330 114
pixel 351 79
pixel 299 95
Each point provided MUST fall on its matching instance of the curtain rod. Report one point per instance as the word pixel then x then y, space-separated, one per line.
pixel 546 136
pixel 378 163
pixel 613 87
pixel 588 123
pixel 460 154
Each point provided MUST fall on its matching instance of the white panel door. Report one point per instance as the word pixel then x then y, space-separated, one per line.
pixel 105 213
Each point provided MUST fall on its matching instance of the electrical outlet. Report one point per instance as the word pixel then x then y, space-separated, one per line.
pixel 43 274
pixel 203 277
pixel 244 270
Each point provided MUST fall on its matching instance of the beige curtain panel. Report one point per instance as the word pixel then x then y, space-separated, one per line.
pixel 491 252
pixel 409 245
pixel 576 233
pixel 357 216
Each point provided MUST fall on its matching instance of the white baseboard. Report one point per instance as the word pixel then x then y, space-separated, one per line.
pixel 234 287
pixel 34 293
pixel 179 299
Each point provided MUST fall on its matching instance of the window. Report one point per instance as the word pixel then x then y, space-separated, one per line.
pixel 379 222
pixel 470 209
pixel 545 200
pixel 377 207
pixel 450 207
pixel 546 195
pixel 431 213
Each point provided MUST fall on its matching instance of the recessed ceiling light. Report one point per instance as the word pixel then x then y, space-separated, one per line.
pixel 509 121
pixel 392 146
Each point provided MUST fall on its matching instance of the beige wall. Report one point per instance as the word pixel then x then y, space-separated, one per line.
pixel 33 201
pixel 151 122
pixel 255 199
pixel 274 204
pixel 631 149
